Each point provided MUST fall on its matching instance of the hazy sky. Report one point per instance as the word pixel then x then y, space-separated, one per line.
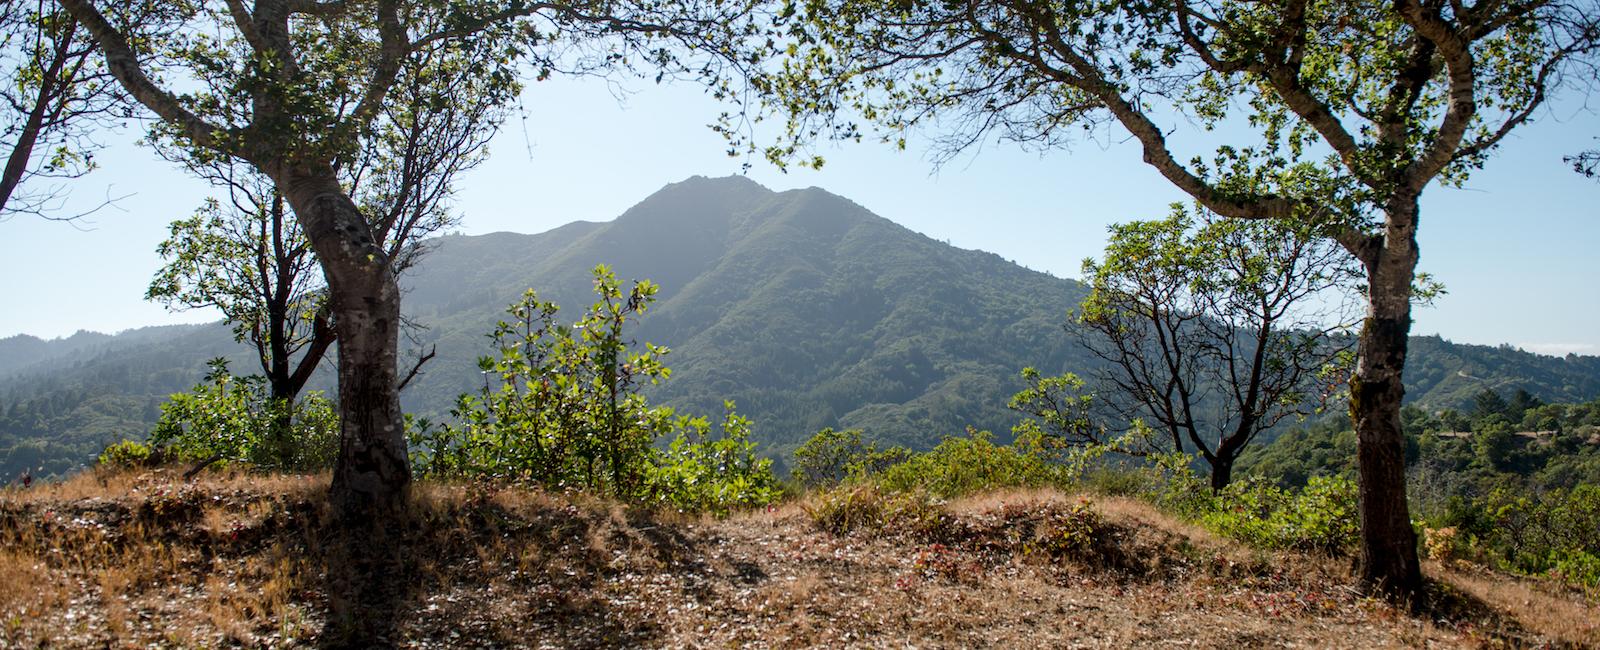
pixel 1518 249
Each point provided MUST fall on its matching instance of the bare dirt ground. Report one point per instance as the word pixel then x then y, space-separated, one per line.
pixel 145 560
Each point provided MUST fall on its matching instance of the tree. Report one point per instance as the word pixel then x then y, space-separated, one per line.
pixel 288 87
pixel 1355 108
pixel 1214 331
pixel 55 93
pixel 251 260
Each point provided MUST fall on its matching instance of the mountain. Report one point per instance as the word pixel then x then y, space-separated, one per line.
pixel 804 308
pixel 801 306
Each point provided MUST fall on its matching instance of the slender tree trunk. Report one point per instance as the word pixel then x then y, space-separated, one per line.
pixel 371 475
pixel 50 86
pixel 1388 543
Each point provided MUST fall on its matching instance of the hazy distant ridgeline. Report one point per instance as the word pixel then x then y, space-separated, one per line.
pixel 803 307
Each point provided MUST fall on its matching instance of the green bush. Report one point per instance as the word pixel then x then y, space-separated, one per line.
pixel 966 465
pixel 699 472
pixel 233 419
pixel 1577 568
pixel 568 413
pixel 1555 532
pixel 832 457
pixel 1322 516
pixel 128 454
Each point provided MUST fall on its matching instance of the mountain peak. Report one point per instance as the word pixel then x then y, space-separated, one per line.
pixel 730 181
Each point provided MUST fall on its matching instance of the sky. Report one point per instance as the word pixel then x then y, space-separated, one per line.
pixel 1518 248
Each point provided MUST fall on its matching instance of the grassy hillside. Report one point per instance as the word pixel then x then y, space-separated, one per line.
pixel 142 559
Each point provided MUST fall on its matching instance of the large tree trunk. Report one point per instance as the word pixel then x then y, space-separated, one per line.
pixel 1221 472
pixel 372 473
pixel 1388 543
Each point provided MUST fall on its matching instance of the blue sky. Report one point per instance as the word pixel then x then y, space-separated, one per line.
pixel 1518 248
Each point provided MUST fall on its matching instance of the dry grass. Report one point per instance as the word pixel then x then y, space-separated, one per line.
pixel 119 560
pixel 1563 616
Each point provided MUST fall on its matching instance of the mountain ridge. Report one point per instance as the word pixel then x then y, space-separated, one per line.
pixel 802 306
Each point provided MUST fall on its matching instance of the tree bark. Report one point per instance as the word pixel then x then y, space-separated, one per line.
pixel 371 475
pixel 1389 562
pixel 1221 472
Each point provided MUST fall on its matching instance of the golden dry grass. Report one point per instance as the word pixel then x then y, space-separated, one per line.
pixel 141 559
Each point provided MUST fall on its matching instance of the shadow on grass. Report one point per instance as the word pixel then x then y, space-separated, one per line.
pixel 1448 606
pixel 478 572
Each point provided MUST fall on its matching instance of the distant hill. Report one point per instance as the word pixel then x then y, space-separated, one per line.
pixel 803 307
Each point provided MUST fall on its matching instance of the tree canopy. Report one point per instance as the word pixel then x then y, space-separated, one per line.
pixel 1352 110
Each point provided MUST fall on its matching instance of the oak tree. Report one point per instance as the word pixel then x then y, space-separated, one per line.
pixel 288 87
pixel 1212 332
pixel 249 258
pixel 1348 110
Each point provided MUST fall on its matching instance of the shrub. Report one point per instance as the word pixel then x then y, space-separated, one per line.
pixel 866 508
pixel 128 454
pixel 846 509
pixel 1068 534
pixel 1442 544
pixel 568 413
pixel 831 457
pixel 1322 516
pixel 965 465
pixel 1577 568
pixel 228 418
pixel 1556 532
pixel 699 472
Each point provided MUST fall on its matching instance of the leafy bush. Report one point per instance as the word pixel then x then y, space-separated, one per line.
pixel 1069 533
pixel 228 418
pixel 1556 532
pixel 1577 568
pixel 699 472
pixel 965 465
pixel 1322 516
pixel 128 454
pixel 831 457
pixel 846 509
pixel 567 413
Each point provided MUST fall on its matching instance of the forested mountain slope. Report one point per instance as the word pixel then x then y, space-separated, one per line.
pixel 803 307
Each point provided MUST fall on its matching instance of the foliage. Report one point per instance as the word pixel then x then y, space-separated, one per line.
pixel 1061 411
pixel 1555 532
pixel 1321 516
pixel 127 453
pixel 55 94
pixel 234 419
pixel 566 410
pixel 1215 331
pixel 701 473
pixel 832 457
pixel 962 465
pixel 567 413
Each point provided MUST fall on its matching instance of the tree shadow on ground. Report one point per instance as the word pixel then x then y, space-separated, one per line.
pixel 1446 605
pixel 480 572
